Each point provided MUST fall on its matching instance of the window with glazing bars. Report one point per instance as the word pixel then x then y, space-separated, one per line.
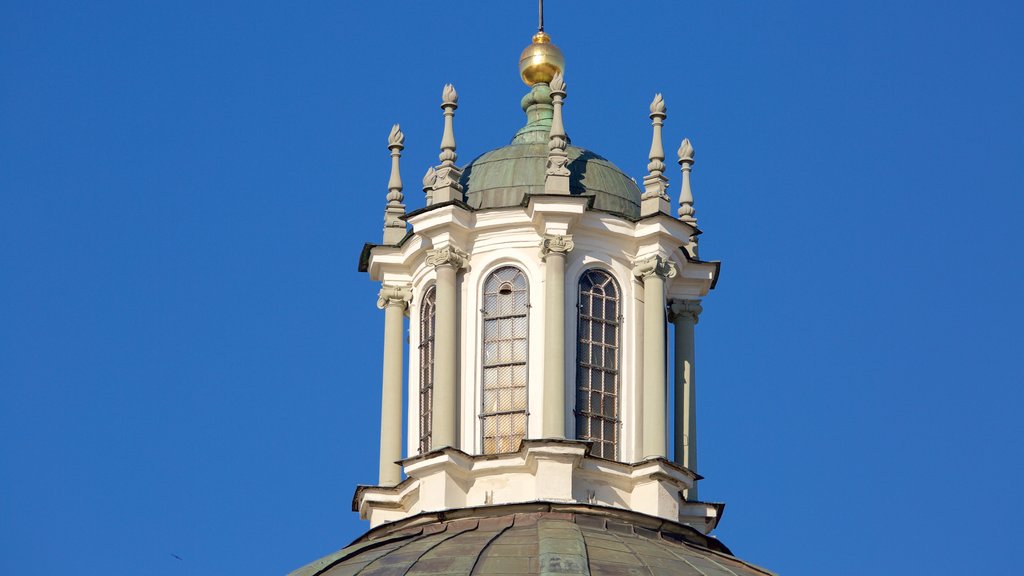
pixel 505 319
pixel 597 363
pixel 427 316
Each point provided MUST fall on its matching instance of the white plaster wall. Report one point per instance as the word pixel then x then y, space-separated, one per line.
pixel 495 238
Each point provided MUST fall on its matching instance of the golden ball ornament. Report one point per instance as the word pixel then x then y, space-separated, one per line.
pixel 540 61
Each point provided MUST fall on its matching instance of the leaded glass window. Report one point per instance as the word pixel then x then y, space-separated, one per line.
pixel 597 363
pixel 427 317
pixel 505 322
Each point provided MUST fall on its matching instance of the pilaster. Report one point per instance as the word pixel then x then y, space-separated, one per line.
pixel 447 262
pixel 393 299
pixel 553 252
pixel 653 271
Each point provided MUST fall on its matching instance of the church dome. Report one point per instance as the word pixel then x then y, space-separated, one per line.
pixel 533 539
pixel 505 176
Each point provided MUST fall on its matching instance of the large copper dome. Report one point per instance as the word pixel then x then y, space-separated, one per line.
pixel 538 538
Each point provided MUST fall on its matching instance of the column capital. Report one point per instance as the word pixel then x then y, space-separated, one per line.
pixel 394 295
pixel 655 265
pixel 684 308
pixel 556 244
pixel 447 256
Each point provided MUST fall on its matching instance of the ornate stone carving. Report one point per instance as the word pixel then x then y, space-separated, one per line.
pixel 683 308
pixel 654 265
pixel 428 185
pixel 395 143
pixel 557 173
pixel 447 256
pixel 449 102
pixel 686 210
pixel 556 244
pixel 654 199
pixel 446 185
pixel 394 226
pixel 394 295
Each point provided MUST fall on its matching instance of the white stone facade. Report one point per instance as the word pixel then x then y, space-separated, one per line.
pixel 512 236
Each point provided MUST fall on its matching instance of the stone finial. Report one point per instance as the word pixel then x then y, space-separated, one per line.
pixel 654 199
pixel 396 142
pixel 449 102
pixel 556 180
pixel 428 184
pixel 394 226
pixel 446 185
pixel 686 210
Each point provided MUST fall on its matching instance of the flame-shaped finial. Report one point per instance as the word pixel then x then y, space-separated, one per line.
pixel 449 97
pixel 396 138
pixel 686 151
pixel 558 83
pixel 429 178
pixel 658 106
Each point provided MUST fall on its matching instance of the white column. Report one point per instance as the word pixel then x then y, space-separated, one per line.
pixel 684 315
pixel 393 300
pixel 553 252
pixel 447 262
pixel 653 271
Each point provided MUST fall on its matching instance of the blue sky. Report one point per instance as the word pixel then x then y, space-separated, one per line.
pixel 190 362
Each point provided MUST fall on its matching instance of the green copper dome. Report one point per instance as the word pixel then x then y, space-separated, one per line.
pixel 504 176
pixel 542 539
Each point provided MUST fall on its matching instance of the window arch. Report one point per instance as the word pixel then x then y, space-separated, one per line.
pixel 427 319
pixel 598 362
pixel 505 322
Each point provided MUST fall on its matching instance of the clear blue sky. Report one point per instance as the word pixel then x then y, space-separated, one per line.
pixel 190 362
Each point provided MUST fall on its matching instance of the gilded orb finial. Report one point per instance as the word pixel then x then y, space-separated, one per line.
pixel 541 60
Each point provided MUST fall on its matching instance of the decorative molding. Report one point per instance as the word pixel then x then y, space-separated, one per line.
pixel 394 295
pixel 684 308
pixel 447 256
pixel 556 244
pixel 654 265
pixel 559 472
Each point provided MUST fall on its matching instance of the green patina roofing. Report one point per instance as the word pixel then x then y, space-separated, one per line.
pixel 553 543
pixel 504 176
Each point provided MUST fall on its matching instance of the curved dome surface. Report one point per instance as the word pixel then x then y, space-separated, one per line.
pixel 504 176
pixel 522 540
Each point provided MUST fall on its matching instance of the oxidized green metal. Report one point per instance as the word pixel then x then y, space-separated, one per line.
pixel 503 177
pixel 587 541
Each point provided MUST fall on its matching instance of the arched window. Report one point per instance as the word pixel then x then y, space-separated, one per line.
pixel 504 316
pixel 597 363
pixel 427 316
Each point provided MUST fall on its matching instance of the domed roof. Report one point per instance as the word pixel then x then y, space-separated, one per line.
pixel 504 176
pixel 537 539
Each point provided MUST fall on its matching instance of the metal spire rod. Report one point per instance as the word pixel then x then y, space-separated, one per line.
pixel 540 15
